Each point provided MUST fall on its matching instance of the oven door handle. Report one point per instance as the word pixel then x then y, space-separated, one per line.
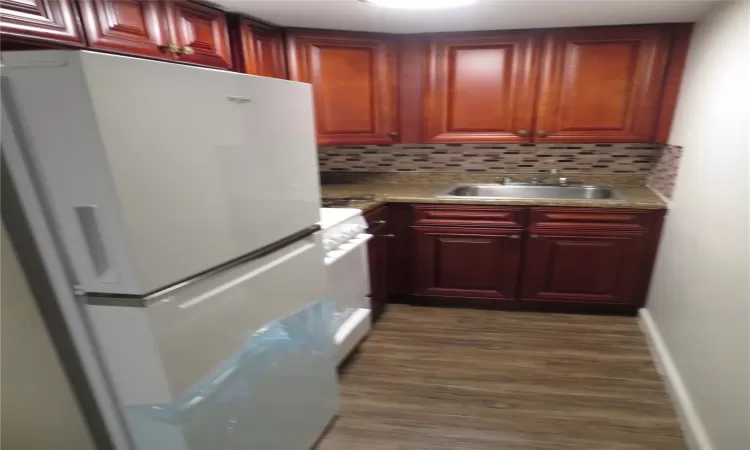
pixel 347 247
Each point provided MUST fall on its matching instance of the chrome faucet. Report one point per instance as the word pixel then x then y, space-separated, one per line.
pixel 540 179
pixel 561 181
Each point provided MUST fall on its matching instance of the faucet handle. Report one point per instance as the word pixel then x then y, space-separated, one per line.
pixel 562 181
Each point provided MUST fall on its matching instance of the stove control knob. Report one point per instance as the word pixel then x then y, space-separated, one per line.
pixel 339 237
pixel 329 244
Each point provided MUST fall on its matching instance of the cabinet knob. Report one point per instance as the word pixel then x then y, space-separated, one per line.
pixel 523 132
pixel 387 235
pixel 541 133
pixel 172 48
pixel 393 133
pixel 187 50
pixel 514 236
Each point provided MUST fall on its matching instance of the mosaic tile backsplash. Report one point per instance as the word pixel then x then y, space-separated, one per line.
pixel 664 175
pixel 497 158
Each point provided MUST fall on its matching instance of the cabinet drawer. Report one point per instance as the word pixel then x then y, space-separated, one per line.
pixel 469 215
pixel 594 218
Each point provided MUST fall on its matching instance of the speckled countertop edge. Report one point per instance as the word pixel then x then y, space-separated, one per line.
pixel 636 197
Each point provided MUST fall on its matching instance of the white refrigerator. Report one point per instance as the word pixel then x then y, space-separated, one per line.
pixel 184 203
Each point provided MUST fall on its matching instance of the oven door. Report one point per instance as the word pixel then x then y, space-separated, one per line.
pixel 348 286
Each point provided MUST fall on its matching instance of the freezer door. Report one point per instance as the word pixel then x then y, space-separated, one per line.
pixel 156 171
pixel 246 339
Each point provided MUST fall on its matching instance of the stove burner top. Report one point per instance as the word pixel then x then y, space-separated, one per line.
pixel 343 202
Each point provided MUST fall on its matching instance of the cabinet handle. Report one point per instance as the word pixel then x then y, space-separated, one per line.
pixel 514 236
pixel 534 236
pixel 170 48
pixel 523 132
pixel 378 222
pixel 387 235
pixel 541 133
pixel 393 133
pixel 187 50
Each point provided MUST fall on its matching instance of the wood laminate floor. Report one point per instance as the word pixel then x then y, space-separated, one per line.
pixel 455 379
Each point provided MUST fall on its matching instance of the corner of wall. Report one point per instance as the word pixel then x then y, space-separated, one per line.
pixel 691 424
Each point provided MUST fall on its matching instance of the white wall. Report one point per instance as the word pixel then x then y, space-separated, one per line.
pixel 699 294
pixel 39 410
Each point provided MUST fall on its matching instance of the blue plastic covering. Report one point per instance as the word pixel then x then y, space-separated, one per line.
pixel 277 393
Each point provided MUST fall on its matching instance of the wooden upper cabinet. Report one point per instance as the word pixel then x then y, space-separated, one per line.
pixel 203 30
pixel 259 48
pixel 601 84
pixel 353 78
pixel 49 21
pixel 127 26
pixel 480 87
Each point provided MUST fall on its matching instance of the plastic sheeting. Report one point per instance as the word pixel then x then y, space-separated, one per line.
pixel 277 393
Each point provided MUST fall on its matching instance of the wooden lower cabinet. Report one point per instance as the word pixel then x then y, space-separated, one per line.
pixel 377 251
pixel 533 258
pixel 584 266
pixel 467 262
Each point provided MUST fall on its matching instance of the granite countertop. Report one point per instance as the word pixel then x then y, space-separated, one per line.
pixel 636 197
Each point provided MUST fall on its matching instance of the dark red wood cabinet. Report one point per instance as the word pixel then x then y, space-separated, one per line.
pixel 258 48
pixel 378 254
pixel 467 262
pixel 132 27
pixel 524 256
pixel 353 76
pixel 51 22
pixel 584 266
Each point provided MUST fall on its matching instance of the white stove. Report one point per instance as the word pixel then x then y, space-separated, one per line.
pixel 348 274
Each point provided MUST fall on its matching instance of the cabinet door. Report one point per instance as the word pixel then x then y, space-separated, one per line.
pixel 455 262
pixel 480 88
pixel 353 78
pixel 202 29
pixel 584 266
pixel 602 84
pixel 377 252
pixel 260 49
pixel 129 26
pixel 52 21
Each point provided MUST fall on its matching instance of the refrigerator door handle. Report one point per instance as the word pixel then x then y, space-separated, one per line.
pixel 90 227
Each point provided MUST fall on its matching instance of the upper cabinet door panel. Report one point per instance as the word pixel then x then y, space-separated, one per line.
pixel 128 26
pixel 601 85
pixel 353 80
pixel 480 88
pixel 41 20
pixel 261 49
pixel 202 29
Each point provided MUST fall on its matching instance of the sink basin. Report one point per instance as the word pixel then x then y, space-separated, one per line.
pixel 531 191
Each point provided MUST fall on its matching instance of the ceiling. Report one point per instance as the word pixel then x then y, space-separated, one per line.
pixel 483 15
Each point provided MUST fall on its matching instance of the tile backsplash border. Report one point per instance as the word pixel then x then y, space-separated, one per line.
pixel 664 175
pixel 570 158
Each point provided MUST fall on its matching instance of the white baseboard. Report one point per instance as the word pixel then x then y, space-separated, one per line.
pixel 693 429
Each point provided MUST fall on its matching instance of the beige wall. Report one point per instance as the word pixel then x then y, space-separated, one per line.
pixel 699 294
pixel 37 405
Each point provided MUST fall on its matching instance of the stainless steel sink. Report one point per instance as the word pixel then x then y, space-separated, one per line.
pixel 531 191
